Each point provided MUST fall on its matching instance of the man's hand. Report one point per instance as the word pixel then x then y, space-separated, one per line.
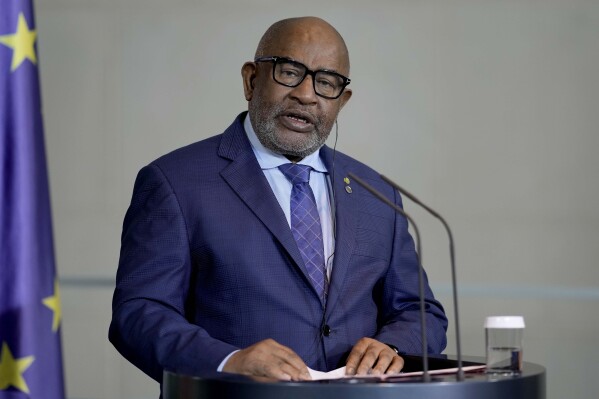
pixel 370 356
pixel 268 358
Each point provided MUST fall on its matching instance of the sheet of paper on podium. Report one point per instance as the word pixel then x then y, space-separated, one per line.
pixel 340 373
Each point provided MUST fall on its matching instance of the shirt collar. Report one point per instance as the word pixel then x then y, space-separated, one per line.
pixel 270 160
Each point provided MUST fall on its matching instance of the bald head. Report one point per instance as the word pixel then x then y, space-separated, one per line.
pixel 288 32
pixel 294 120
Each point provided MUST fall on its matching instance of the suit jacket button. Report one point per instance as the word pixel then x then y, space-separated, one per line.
pixel 326 330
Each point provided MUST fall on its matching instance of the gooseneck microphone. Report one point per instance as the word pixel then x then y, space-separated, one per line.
pixel 374 192
pixel 460 374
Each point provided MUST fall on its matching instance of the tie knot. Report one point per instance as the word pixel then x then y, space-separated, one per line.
pixel 296 173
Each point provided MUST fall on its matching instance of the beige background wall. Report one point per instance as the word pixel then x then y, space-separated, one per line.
pixel 487 109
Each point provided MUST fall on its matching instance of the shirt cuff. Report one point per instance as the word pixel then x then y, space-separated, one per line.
pixel 222 364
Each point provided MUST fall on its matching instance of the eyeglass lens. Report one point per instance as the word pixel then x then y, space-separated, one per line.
pixel 291 74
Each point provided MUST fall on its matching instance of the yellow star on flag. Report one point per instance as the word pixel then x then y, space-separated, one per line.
pixel 21 42
pixel 53 302
pixel 11 369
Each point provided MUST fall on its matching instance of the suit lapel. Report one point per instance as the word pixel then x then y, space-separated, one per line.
pixel 245 177
pixel 345 224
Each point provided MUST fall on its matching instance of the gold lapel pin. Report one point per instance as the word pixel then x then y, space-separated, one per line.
pixel 347 188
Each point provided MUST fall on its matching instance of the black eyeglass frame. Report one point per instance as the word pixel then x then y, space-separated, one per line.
pixel 275 59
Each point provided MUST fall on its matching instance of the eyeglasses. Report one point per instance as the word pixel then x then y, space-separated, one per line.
pixel 327 84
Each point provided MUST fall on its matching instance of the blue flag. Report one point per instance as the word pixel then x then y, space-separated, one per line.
pixel 30 316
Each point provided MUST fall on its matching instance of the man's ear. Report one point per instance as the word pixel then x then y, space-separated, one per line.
pixel 248 74
pixel 345 96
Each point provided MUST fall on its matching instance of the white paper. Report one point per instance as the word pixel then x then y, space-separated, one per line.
pixel 327 375
pixel 340 373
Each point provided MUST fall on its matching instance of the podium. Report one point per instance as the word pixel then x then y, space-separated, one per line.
pixel 530 384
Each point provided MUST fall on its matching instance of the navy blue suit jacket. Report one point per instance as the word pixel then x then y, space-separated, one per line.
pixel 209 265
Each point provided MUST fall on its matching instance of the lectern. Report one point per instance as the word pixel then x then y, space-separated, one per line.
pixel 530 384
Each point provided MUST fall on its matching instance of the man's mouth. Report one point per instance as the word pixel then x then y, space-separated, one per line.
pixel 297 121
pixel 297 118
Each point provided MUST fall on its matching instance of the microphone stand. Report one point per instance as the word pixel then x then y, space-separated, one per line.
pixel 460 374
pixel 425 374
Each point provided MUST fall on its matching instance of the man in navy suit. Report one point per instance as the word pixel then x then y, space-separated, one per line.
pixel 215 273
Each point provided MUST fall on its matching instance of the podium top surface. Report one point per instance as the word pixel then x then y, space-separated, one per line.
pixel 529 384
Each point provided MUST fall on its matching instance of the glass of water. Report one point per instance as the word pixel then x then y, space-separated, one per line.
pixel 503 336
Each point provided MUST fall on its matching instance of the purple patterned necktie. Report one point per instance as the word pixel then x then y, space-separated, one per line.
pixel 305 223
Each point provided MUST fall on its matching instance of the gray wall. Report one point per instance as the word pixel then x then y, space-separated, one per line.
pixel 487 109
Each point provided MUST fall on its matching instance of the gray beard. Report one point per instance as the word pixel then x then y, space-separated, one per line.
pixel 264 125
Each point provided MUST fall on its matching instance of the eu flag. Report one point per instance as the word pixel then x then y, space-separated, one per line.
pixel 30 348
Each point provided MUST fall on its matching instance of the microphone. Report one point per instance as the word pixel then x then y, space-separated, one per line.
pixel 460 374
pixel 425 374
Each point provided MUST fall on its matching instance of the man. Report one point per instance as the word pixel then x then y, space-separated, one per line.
pixel 220 270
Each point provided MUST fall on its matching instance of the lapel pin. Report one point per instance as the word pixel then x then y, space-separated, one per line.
pixel 346 180
pixel 348 189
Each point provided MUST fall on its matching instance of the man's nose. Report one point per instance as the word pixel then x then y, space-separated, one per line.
pixel 304 92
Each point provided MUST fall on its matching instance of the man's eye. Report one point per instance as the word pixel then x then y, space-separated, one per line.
pixel 290 73
pixel 325 83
